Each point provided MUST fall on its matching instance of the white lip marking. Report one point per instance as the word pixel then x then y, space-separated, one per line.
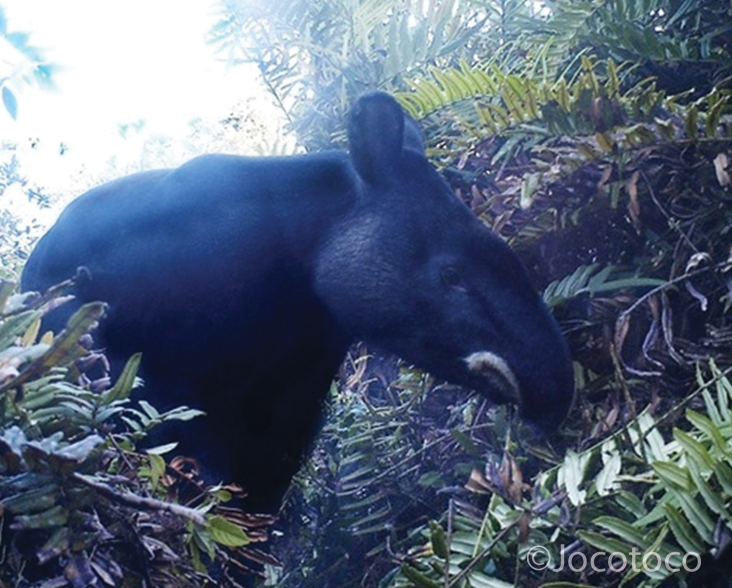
pixel 487 363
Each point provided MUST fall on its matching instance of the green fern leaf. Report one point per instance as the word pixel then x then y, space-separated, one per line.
pixel 684 533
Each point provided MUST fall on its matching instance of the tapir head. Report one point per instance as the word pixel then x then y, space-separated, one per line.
pixel 411 270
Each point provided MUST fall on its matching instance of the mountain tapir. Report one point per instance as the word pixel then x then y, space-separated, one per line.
pixel 244 281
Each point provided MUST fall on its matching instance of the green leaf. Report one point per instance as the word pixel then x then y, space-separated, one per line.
pixel 56 516
pixel 432 479
pixel 724 392
pixel 225 532
pixel 625 284
pixel 607 479
pixel 162 449
pixel 157 468
pixel 151 412
pixel 623 530
pixel 203 541
pixel 529 185
pixel 712 409
pixel 691 122
pixel 82 450
pixel 709 429
pixel 660 550
pixel 479 580
pixel 365 502
pixel 605 141
pixel 713 116
pixel 438 539
pixel 723 474
pixel 125 383
pixel 33 500
pixel 696 514
pixel 65 347
pixel 631 503
pixel 15 326
pixel 418 579
pixel 696 451
pixel 366 525
pixel 56 545
pixel 571 476
pixel 604 543
pixel 684 533
pixel 711 498
pixel 672 474
pixel 613 81
pixel 466 442
pixel 648 443
pixel 357 476
pixel 181 413
pixel 10 102
pixel 569 286
pixel 565 585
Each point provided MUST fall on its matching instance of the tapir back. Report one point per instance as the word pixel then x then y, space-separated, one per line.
pixel 208 240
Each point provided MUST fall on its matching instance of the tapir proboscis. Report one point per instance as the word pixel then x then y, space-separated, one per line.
pixel 244 281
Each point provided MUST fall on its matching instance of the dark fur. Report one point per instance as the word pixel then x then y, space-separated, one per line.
pixel 244 281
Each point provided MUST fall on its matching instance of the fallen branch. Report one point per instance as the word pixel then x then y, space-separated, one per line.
pixel 133 500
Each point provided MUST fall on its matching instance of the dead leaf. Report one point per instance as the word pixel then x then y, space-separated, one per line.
pixel 633 205
pixel 696 260
pixel 607 173
pixel 511 478
pixel 478 483
pixel 721 165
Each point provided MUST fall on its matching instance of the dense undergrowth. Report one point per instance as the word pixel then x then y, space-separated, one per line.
pixel 617 197
pixel 80 505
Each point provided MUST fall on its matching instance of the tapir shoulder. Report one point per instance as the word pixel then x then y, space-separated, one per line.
pixel 224 176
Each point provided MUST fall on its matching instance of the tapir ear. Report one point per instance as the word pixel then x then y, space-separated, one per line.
pixel 376 136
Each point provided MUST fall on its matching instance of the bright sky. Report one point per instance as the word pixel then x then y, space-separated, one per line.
pixel 119 61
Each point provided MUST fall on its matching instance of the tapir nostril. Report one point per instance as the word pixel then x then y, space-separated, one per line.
pixel 494 368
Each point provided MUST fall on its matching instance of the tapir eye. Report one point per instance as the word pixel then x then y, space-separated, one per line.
pixel 451 277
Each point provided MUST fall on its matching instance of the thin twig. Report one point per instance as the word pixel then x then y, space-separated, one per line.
pixel 668 284
pixel 450 516
pixel 133 500
pixel 474 562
